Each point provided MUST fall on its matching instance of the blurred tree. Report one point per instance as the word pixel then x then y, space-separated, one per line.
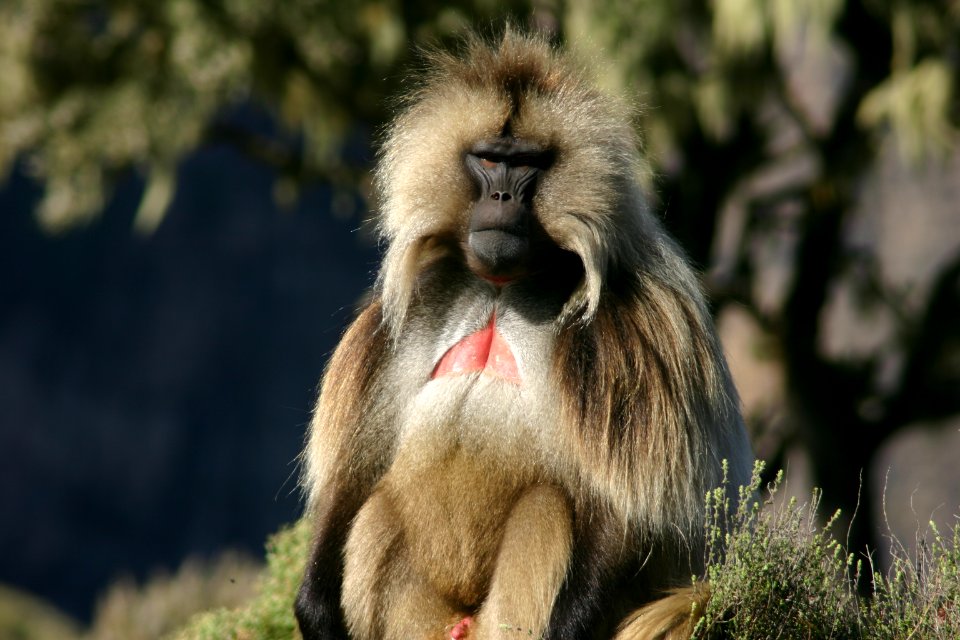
pixel 766 121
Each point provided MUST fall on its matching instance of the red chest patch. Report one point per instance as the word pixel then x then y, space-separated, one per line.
pixel 485 350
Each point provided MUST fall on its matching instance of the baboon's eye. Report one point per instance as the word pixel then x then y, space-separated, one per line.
pixel 487 164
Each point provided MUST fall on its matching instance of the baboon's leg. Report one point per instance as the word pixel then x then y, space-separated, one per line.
pixel 383 597
pixel 530 569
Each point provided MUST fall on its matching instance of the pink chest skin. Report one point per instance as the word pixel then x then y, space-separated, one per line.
pixel 485 351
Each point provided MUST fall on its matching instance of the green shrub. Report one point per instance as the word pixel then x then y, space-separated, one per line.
pixel 775 573
pixel 269 615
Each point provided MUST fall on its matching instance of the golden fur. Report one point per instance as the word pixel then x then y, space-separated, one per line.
pixel 551 507
pixel 673 617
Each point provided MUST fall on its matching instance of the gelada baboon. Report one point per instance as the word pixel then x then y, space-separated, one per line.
pixel 515 437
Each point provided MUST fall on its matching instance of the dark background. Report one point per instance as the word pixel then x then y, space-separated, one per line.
pixel 154 390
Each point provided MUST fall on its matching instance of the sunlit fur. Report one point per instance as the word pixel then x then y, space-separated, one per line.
pixel 590 201
pixel 672 617
pixel 469 495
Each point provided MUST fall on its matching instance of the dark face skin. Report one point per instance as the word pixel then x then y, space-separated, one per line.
pixel 503 232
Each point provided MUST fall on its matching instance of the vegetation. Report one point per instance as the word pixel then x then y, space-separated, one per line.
pixel 128 611
pixel 25 618
pixel 775 569
pixel 132 611
pixel 775 573
pixel 90 90
pixel 269 616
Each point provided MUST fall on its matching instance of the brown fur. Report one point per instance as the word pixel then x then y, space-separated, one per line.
pixel 550 508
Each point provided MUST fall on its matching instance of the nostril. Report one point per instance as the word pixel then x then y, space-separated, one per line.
pixel 495 195
pixel 505 196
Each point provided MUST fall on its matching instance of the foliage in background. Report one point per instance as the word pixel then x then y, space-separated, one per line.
pixel 92 89
pixel 702 66
pixel 24 617
pixel 128 611
pixel 166 602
